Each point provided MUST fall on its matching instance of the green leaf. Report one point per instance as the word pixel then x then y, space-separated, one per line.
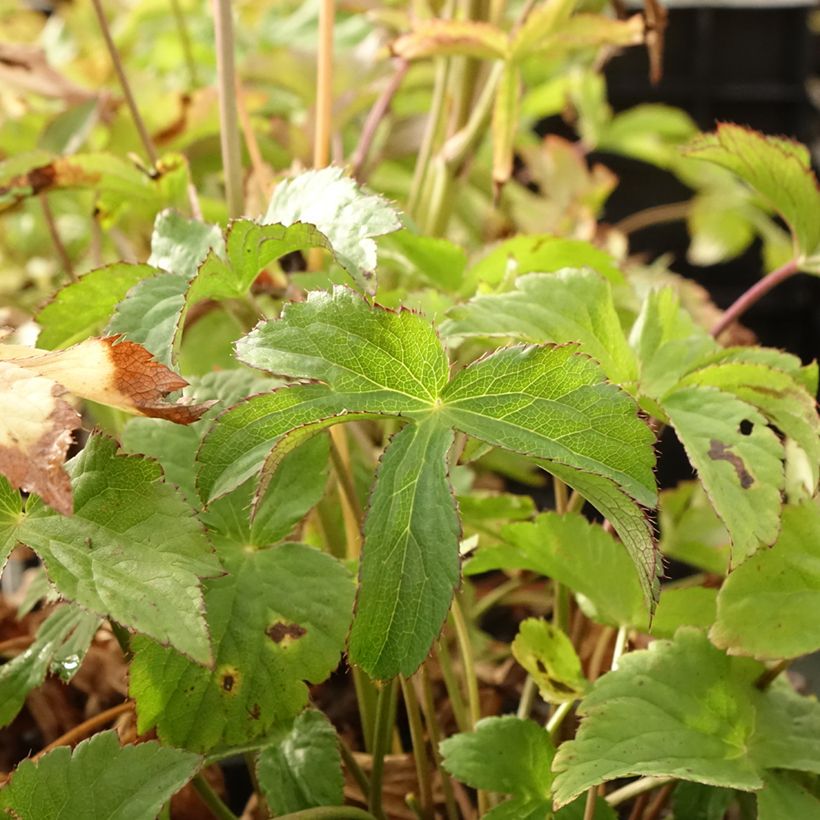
pixel 688 606
pixel 767 607
pixel 100 779
pixel 302 767
pixel 439 261
pixel 132 550
pixel 278 620
pixel 691 530
pixel 779 170
pixel 180 245
pixel 694 801
pixel 540 24
pixel 540 253
pixel 684 709
pixel 578 554
pixel 548 402
pixel 386 362
pixel 82 308
pixel 410 564
pixel 151 315
pixel 341 210
pixel 228 273
pixel 503 754
pixel 720 225
pixel 11 515
pixel 59 646
pixel 550 658
pixel 738 459
pixel 567 306
pixel 785 798
pixel 667 342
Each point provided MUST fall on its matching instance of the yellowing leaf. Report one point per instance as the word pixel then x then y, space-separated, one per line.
pixel 436 38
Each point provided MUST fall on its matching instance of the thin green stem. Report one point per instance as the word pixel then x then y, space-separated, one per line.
pixel 768 677
pixel 366 698
pixel 454 694
pixel 636 787
pixel 211 799
pixel 355 769
pixel 498 594
pixel 656 215
pixel 250 759
pixel 528 695
pixel 185 42
pixel 228 117
pixel 345 479
pixel 620 647
pixel 557 717
pixel 51 224
pixel 592 799
pixel 468 662
pixel 383 731
pixel 114 54
pixel 411 705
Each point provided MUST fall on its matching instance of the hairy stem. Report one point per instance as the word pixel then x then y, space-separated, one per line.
pixel 228 119
pixel 147 143
pixel 211 799
pixel 383 731
pixel 754 294
pixel 374 118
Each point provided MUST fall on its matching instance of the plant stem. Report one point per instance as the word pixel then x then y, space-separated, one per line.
pixel 329 813
pixel 454 694
pixel 147 143
pixel 429 708
pixel 51 224
pixel 496 595
pixel 211 799
pixel 656 215
pixel 527 700
pixel 228 125
pixel 411 705
pixel 557 717
pixel 185 41
pixel 641 786
pixel 341 465
pixel 383 731
pixel 366 698
pixel 620 646
pixel 87 727
pixel 592 799
pixel 468 662
pixel 754 294
pixel 435 124
pixel 355 769
pixel 376 115
pixel 324 85
pixel 768 677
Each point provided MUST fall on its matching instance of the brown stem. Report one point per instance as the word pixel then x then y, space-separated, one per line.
pixel 654 809
pixel 87 727
pixel 51 224
pixel 147 143
pixel 767 678
pixel 324 85
pixel 754 294
pixel 656 215
pixel 376 115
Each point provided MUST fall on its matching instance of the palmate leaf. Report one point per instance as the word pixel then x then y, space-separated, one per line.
pixel 277 620
pixel 684 709
pixel 132 551
pixel 545 402
pixel 99 779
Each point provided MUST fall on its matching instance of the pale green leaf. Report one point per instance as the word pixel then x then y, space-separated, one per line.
pixel 550 403
pixel 568 306
pixel 82 308
pixel 684 709
pixel 768 606
pixel 779 170
pixel 439 261
pixel 132 550
pixel 691 530
pixel 59 646
pixel 151 315
pixel 410 563
pixel 11 515
pixel 228 273
pixel 538 254
pixel 550 658
pixel 347 215
pixel 785 798
pixel 720 226
pixel 540 24
pixel 503 754
pixel 738 459
pixel 576 553
pixel 277 620
pixel 687 606
pixel 392 361
pixel 98 779
pixel 302 767
pixel 437 38
pixel 179 245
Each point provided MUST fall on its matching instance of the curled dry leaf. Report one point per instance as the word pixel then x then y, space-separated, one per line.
pixel 36 421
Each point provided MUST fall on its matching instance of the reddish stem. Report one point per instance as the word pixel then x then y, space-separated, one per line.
pixel 754 294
